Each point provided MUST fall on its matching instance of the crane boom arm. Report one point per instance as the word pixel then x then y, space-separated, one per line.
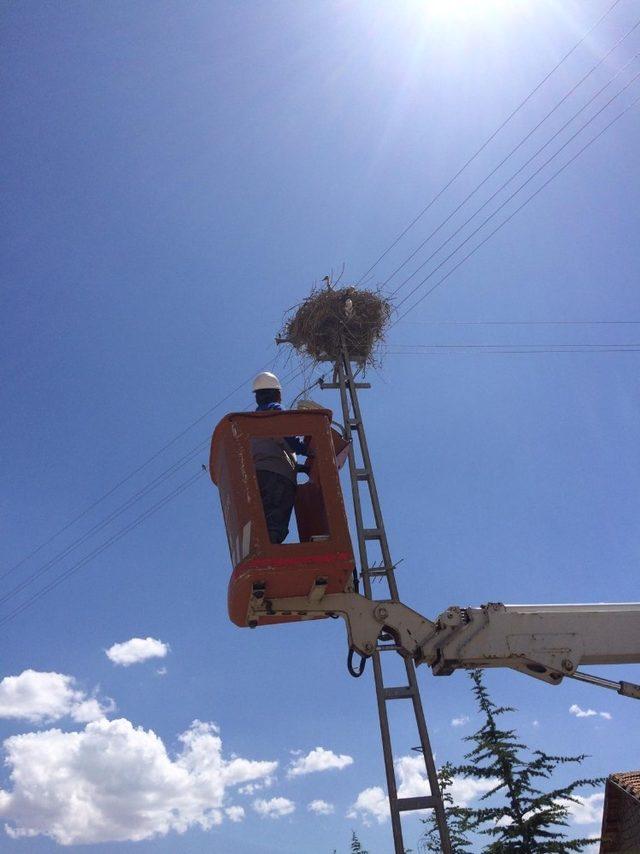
pixel 547 642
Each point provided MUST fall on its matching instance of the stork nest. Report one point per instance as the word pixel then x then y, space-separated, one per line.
pixel 327 316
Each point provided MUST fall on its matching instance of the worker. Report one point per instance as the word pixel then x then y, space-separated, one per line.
pixel 275 461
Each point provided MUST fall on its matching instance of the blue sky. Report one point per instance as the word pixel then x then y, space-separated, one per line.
pixel 176 177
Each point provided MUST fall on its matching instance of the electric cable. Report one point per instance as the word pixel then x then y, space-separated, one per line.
pixel 101 548
pixel 449 351
pixel 517 147
pixel 487 142
pixel 128 477
pixel 151 510
pixel 353 671
pixel 176 438
pixel 525 322
pixel 113 515
pixel 436 349
pixel 99 526
pixel 291 375
pixel 512 214
pixel 520 187
pixel 512 344
pixel 158 480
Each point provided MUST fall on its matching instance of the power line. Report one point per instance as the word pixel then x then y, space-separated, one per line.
pixel 103 524
pixel 101 548
pixel 524 322
pixel 513 344
pixel 128 477
pixel 159 479
pixel 487 142
pixel 513 151
pixel 186 458
pixel 132 474
pixel 496 352
pixel 209 411
pixel 117 512
pixel 512 214
pixel 517 190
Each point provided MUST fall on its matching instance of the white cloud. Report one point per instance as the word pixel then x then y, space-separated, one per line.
pixel 536 724
pixel 161 671
pixel 581 713
pixel 412 779
pixel 274 808
pixel 370 803
pixel 587 810
pixel 461 721
pixel 413 783
pixel 37 696
pixel 251 788
pixel 239 770
pixel 321 808
pixel 91 709
pixel 318 759
pixel 113 782
pixel 136 650
pixel 464 791
pixel 588 713
pixel 235 813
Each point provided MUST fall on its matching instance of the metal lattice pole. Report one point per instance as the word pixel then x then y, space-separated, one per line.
pixel 345 382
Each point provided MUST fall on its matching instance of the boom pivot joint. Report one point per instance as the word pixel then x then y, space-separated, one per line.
pixel 547 642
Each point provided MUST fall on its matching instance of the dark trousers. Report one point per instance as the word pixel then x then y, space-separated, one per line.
pixel 278 495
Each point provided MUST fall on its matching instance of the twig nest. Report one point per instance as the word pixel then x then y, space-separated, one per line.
pixel 318 324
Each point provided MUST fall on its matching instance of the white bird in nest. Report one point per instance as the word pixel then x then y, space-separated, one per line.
pixel 348 307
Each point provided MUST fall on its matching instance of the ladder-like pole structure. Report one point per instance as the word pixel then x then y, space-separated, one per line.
pixel 345 382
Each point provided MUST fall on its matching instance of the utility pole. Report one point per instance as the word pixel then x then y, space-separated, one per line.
pixel 345 382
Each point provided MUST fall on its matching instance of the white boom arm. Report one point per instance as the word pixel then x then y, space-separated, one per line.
pixel 544 641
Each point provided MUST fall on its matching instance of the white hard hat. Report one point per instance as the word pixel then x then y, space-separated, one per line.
pixel 265 380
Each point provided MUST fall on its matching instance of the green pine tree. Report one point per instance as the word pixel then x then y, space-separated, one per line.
pixel 460 820
pixel 526 819
pixel 356 845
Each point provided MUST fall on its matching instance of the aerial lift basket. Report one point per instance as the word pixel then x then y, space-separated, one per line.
pixel 324 555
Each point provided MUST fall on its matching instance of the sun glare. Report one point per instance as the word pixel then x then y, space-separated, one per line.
pixel 464 10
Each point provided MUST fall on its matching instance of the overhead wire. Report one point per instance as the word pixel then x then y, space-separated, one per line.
pixel 186 458
pixel 518 344
pixel 497 352
pixel 577 347
pixel 113 515
pixel 163 476
pixel 128 477
pixel 517 148
pixel 554 175
pixel 487 142
pixel 520 187
pixel 525 322
pixel 101 548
